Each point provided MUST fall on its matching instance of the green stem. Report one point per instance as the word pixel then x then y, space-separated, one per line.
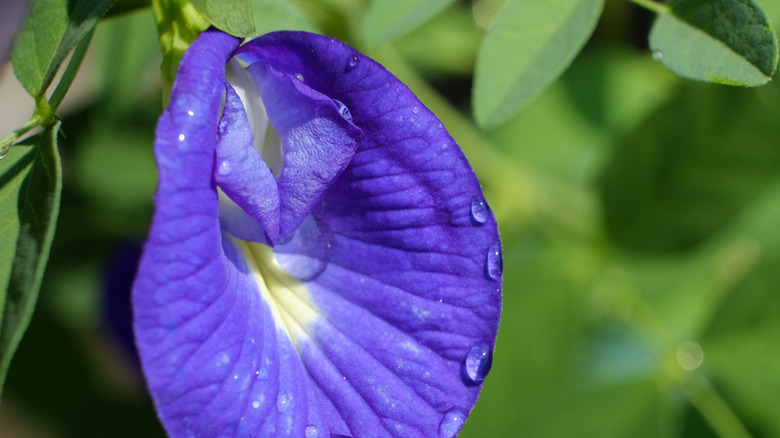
pixel 657 7
pixel 70 71
pixel 714 409
pixel 11 138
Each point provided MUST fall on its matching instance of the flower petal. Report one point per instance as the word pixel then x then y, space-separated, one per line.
pixel 244 177
pixel 376 312
pixel 412 287
pixel 317 142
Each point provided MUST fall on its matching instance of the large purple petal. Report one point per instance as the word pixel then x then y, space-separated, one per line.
pixel 375 313
pixel 412 288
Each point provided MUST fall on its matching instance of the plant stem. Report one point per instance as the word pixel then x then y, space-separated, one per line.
pixel 11 138
pixel 657 7
pixel 70 72
pixel 714 409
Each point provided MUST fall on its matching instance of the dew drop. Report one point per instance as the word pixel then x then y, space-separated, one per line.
pixel 658 55
pixel 343 110
pixel 256 404
pixel 494 265
pixel 181 137
pixel 352 63
pixel 477 363
pixel 224 168
pixel 312 432
pixel 415 110
pixel 306 253
pixel 283 402
pixel 451 423
pixel 479 210
pixel 190 113
pixel 299 76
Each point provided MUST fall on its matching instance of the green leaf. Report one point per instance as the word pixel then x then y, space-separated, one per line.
pixel 31 181
pixel 388 19
pixel 52 29
pixel 745 364
pixel 272 15
pixel 178 24
pixel 692 167
pixel 231 16
pixel 722 41
pixel 528 47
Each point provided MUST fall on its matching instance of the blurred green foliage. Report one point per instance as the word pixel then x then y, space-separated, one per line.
pixel 639 214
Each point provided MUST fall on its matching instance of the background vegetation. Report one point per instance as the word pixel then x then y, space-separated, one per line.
pixel 639 212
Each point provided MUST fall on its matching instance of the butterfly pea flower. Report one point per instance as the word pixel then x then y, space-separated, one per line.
pixel 321 261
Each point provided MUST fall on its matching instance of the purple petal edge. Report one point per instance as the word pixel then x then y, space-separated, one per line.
pixel 409 294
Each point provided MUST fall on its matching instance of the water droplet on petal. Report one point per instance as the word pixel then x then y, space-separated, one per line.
pixel 299 77
pixel 477 363
pixel 352 63
pixel 181 137
pixel 306 253
pixel 658 55
pixel 312 432
pixel 224 168
pixel 494 265
pixel 283 402
pixel 415 110
pixel 256 404
pixel 451 423
pixel 190 113
pixel 479 210
pixel 343 110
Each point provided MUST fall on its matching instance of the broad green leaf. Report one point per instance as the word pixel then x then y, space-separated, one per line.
pixel 272 15
pixel 692 167
pixel 29 203
pixel 722 41
pixel 388 19
pixel 178 24
pixel 528 47
pixel 446 45
pixel 52 30
pixel 231 16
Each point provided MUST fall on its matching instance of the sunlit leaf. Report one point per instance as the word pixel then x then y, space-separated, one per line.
pixel 722 41
pixel 52 30
pixel 387 19
pixel 231 16
pixel 530 45
pixel 272 15
pixel 29 203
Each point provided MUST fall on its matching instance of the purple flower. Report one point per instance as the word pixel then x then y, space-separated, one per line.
pixel 336 272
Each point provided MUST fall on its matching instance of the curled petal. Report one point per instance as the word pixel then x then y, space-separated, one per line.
pixel 370 310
